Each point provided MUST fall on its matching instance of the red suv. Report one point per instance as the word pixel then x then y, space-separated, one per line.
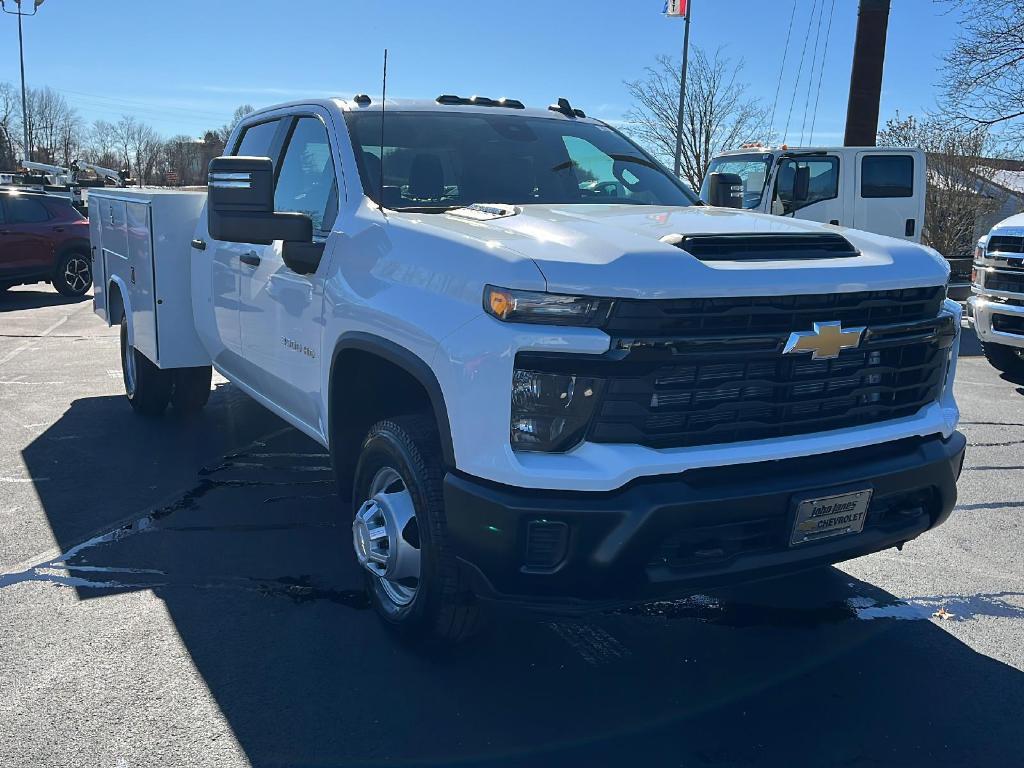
pixel 43 239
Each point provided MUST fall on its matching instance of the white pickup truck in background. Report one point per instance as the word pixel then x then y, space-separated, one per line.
pixel 996 308
pixel 533 390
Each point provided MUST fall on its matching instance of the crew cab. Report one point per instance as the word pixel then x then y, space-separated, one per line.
pixel 877 189
pixel 996 310
pixel 533 390
pixel 43 239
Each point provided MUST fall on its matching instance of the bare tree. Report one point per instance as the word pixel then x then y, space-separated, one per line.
pixel 236 116
pixel 9 110
pixel 985 70
pixel 54 127
pixel 101 146
pixel 138 145
pixel 717 114
pixel 960 191
pixel 58 135
pixel 184 156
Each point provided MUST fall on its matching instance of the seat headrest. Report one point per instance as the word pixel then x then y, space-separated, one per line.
pixel 426 177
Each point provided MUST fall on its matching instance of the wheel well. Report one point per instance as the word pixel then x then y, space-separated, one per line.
pixel 115 304
pixel 73 246
pixel 365 388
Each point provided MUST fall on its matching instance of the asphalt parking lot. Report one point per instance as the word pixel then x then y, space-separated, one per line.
pixel 178 594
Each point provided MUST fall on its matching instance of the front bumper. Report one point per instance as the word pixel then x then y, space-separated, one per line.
pixel 980 313
pixel 667 536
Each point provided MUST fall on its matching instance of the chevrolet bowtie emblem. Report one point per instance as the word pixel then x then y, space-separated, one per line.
pixel 825 342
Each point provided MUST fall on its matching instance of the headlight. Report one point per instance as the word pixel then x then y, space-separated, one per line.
pixel 545 308
pixel 551 411
pixel 979 249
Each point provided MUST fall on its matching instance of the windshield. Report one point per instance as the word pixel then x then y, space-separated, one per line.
pixel 437 161
pixel 752 168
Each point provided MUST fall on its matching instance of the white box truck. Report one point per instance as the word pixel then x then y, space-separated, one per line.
pixel 533 391
pixel 877 189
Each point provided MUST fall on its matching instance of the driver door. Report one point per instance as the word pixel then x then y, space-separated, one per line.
pixel 281 313
pixel 819 200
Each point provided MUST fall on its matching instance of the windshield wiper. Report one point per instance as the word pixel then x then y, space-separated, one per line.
pixel 620 158
pixel 637 160
pixel 427 208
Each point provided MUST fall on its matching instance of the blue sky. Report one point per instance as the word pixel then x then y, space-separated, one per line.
pixel 184 65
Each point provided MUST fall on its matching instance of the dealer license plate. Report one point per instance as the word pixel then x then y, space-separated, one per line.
pixel 829 516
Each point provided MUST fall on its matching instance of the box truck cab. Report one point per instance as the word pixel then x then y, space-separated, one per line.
pixel 877 189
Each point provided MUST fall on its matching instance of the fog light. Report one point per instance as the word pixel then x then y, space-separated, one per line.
pixel 547 543
pixel 551 411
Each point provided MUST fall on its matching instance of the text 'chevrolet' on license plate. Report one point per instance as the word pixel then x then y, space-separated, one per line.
pixel 829 516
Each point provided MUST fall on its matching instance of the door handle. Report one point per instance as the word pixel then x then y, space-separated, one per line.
pixel 251 258
pixel 911 225
pixel 58 229
pixel 835 222
pixel 199 245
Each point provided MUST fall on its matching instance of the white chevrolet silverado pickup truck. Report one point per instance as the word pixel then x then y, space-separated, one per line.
pixel 996 310
pixel 533 393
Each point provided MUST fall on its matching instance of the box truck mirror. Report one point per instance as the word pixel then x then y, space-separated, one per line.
pixel 725 190
pixel 802 184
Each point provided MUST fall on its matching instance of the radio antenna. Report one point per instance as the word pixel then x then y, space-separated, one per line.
pixel 383 99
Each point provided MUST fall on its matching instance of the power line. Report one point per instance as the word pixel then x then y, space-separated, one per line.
pixel 149 106
pixel 782 67
pixel 821 71
pixel 810 72
pixel 799 71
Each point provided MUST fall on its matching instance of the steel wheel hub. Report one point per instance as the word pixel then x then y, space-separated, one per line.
pixel 383 536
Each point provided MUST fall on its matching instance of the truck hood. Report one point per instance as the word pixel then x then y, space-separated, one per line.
pixel 1012 223
pixel 616 250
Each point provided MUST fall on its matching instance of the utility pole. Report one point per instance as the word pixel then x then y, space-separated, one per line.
pixel 687 8
pixel 866 75
pixel 21 56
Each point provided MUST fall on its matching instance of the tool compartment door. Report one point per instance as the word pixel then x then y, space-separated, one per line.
pixel 99 272
pixel 141 286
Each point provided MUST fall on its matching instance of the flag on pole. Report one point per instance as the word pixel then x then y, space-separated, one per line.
pixel 676 7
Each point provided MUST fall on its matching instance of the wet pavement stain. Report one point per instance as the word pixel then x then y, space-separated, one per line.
pixel 301 590
pixel 710 610
pixel 73 568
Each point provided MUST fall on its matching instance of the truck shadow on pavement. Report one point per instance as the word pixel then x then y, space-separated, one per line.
pixel 253 563
pixel 12 300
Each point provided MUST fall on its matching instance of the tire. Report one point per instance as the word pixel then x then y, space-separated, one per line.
pixel 402 455
pixel 1004 358
pixel 73 274
pixel 147 387
pixel 191 389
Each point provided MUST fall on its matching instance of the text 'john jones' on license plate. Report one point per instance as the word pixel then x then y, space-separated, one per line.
pixel 829 516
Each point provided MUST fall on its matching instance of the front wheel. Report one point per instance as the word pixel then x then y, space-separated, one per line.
pixel 147 387
pixel 1004 358
pixel 73 274
pixel 400 534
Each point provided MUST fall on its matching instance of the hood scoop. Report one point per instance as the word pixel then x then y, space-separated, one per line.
pixel 795 246
pixel 485 211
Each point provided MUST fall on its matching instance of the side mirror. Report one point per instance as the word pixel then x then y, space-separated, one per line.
pixel 240 205
pixel 801 184
pixel 725 190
